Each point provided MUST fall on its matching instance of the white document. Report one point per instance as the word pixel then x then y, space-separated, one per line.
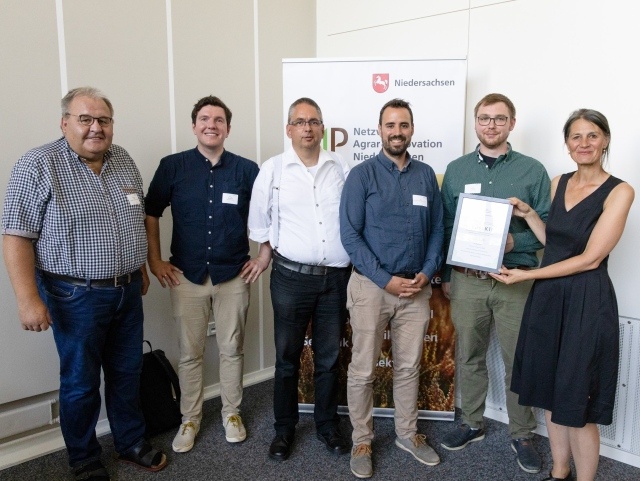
pixel 480 232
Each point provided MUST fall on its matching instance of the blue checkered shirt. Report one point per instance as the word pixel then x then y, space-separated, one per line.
pixel 83 225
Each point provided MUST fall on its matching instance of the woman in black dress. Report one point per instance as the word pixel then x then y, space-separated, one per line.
pixel 567 354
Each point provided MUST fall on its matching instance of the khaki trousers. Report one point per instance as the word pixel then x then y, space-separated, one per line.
pixel 192 307
pixel 476 304
pixel 371 310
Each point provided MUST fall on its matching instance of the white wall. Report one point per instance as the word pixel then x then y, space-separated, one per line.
pixel 549 57
pixel 154 59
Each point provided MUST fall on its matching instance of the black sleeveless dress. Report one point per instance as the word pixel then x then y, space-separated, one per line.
pixel 567 353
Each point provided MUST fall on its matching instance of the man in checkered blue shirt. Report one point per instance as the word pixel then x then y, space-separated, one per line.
pixel 74 245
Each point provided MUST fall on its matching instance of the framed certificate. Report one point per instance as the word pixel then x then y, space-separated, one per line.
pixel 479 232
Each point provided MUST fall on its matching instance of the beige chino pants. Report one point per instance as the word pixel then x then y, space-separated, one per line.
pixel 371 310
pixel 192 306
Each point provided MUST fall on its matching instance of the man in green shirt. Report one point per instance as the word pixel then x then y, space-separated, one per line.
pixel 493 169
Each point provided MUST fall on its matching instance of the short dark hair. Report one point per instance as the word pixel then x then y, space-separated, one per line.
pixel 90 92
pixel 396 104
pixel 491 99
pixel 210 100
pixel 595 118
pixel 303 100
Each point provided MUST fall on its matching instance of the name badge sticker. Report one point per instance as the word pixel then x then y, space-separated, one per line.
pixel 133 199
pixel 420 200
pixel 472 188
pixel 230 199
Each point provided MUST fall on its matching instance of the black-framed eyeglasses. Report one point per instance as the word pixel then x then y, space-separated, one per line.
pixel 499 120
pixel 88 120
pixel 299 123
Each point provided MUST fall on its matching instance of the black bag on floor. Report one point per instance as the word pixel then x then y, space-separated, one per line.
pixel 159 393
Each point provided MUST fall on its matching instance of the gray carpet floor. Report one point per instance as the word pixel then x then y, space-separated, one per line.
pixel 212 458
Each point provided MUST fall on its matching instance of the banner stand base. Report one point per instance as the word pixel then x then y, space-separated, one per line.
pixel 388 412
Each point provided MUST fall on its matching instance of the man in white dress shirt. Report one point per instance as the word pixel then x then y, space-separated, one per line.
pixel 295 212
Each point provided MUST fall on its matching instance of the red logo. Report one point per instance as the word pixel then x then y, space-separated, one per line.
pixel 380 82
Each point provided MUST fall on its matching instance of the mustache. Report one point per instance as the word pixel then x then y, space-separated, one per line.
pixel 397 137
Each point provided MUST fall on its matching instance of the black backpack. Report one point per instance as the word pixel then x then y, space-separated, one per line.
pixel 159 393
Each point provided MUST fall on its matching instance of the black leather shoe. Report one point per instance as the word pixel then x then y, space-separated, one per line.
pixel 334 442
pixel 569 477
pixel 281 447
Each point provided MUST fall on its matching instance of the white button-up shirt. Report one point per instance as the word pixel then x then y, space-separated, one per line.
pixel 309 218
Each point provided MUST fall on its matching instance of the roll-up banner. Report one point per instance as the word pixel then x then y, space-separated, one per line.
pixel 351 93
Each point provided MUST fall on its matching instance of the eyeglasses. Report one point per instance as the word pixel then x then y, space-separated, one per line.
pixel 499 120
pixel 299 123
pixel 88 120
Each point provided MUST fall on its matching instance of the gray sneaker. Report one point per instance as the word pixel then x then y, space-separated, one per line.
pixel 459 437
pixel 528 458
pixel 361 461
pixel 418 447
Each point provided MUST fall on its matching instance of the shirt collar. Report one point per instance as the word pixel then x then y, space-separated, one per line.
pixel 206 161
pixel 290 157
pixel 389 164
pixel 504 157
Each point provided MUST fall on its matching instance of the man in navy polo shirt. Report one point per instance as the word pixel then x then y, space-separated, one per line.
pixel 210 270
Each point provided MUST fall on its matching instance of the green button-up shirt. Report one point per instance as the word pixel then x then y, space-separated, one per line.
pixel 512 175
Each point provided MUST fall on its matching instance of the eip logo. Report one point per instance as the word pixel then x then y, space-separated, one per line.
pixel 380 82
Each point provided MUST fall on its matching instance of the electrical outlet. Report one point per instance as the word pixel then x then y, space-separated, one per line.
pixel 211 328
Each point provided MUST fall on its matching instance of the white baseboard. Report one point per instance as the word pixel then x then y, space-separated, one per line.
pixel 40 444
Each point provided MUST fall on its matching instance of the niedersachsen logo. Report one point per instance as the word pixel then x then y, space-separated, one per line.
pixel 380 82
pixel 423 83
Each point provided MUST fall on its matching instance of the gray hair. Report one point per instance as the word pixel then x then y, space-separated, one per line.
pixel 90 92
pixel 304 100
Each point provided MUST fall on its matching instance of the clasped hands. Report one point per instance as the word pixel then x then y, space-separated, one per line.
pixel 398 286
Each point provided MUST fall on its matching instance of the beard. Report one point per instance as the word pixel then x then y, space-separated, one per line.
pixel 396 150
pixel 492 142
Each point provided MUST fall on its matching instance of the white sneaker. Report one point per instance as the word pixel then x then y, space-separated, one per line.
pixel 186 436
pixel 234 429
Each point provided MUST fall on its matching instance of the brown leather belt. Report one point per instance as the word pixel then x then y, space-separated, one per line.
pixel 482 275
pixel 472 272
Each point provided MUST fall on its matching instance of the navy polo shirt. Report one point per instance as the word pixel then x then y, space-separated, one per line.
pixel 210 206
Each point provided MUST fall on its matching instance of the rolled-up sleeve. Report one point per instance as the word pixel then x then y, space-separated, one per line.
pixel 159 193
pixel 261 202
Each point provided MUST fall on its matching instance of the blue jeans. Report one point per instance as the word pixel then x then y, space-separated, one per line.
pixel 297 299
pixel 97 328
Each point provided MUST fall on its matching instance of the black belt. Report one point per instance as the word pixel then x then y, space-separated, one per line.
pixel 304 268
pixel 404 275
pixel 109 282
